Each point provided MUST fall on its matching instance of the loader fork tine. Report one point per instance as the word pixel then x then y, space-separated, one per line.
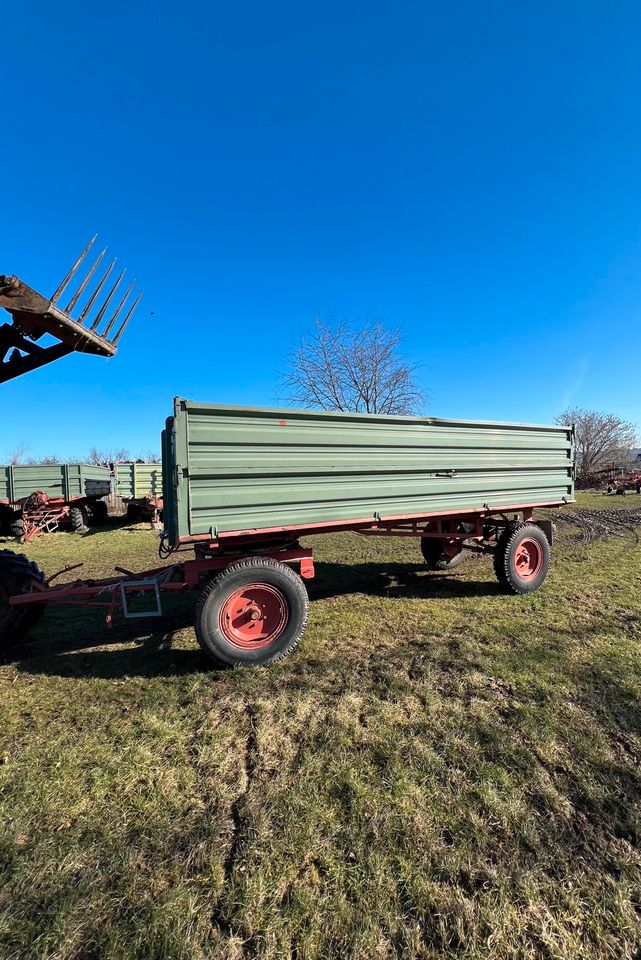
pixel 81 288
pixel 127 318
pixel 94 295
pixel 66 280
pixel 103 308
pixel 118 309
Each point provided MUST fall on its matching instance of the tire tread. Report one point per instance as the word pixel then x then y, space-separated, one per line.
pixel 217 581
pixel 501 557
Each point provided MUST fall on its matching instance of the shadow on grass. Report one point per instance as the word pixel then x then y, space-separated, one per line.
pixel 74 642
pixel 402 580
pixel 117 522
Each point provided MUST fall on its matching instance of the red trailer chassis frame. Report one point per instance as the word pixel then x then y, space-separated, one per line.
pixel 631 481
pixel 43 514
pixel 475 530
pixel 144 509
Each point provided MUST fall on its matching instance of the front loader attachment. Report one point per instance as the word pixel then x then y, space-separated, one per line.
pixel 100 305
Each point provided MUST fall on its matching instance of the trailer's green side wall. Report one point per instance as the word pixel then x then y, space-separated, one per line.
pixel 65 480
pixel 233 468
pixel 136 480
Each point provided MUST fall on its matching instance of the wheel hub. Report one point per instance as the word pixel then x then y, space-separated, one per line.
pixel 254 615
pixel 528 559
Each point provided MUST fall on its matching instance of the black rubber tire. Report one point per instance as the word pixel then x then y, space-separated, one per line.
pixel 5 520
pixel 17 575
pixel 505 553
pixel 16 528
pixel 98 513
pixel 79 519
pixel 435 558
pixel 252 570
pixel 134 513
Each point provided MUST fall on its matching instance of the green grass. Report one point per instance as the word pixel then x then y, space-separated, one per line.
pixel 437 771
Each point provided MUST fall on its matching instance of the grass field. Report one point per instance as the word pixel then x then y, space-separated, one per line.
pixel 438 771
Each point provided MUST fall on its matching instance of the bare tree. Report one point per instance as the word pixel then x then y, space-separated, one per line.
pixel 152 456
pixel 49 459
pixel 601 438
pixel 357 369
pixel 104 457
pixel 17 455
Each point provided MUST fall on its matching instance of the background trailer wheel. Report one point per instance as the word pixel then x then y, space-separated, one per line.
pixel 438 558
pixel 522 558
pixel 16 527
pixel 134 513
pixel 18 574
pixel 98 513
pixel 79 519
pixel 254 612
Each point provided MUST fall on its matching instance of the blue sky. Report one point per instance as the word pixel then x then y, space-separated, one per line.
pixel 471 172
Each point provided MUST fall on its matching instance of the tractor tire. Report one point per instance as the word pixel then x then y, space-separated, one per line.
pixel 253 613
pixel 435 557
pixel 79 519
pixel 521 558
pixel 98 513
pixel 18 574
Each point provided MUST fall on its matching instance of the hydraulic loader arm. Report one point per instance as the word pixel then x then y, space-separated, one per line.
pixel 33 316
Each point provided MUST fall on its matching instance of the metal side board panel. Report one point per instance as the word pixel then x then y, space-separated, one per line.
pixel 232 468
pixel 66 480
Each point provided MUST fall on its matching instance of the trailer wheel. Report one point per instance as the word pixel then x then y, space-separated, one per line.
pixel 436 558
pixel 79 519
pixel 522 558
pixel 134 513
pixel 254 612
pixel 98 512
pixel 16 528
pixel 18 574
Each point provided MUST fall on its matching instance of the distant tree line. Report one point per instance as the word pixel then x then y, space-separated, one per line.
pixel 19 457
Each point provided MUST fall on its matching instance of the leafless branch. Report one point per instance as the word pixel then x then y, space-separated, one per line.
pixel 601 438
pixel 352 368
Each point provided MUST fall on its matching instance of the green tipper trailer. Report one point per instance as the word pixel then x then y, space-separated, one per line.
pixel 138 480
pixel 232 469
pixel 56 480
pixel 140 486
pixel 242 485
pixel 37 497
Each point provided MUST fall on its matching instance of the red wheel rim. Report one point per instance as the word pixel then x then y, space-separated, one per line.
pixel 528 559
pixel 253 616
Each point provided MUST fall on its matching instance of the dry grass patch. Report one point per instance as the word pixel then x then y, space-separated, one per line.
pixel 438 771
